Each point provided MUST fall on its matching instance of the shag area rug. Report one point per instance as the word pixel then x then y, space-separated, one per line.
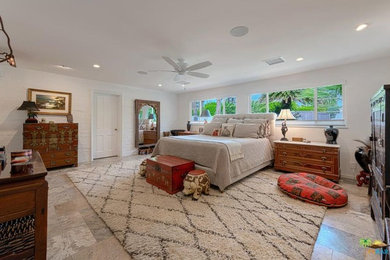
pixel 252 219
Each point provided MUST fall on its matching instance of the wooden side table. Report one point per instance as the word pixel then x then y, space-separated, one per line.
pixel 23 211
pixel 316 158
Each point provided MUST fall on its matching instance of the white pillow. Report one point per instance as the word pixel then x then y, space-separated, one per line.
pixel 219 120
pixel 209 128
pixel 246 131
pixel 227 130
pixel 235 121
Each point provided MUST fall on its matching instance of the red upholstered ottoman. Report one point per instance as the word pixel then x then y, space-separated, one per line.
pixel 313 189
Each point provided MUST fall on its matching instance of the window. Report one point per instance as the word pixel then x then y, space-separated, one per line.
pixel 310 104
pixel 330 103
pixel 300 102
pixel 215 106
pixel 258 103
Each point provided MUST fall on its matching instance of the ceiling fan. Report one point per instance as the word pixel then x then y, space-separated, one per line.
pixel 182 68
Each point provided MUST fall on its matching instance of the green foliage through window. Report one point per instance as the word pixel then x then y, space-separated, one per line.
pixel 301 102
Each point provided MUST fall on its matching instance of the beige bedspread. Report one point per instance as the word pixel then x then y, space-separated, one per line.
pixel 215 157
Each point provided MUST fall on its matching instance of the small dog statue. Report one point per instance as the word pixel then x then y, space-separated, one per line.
pixel 195 183
pixel 142 168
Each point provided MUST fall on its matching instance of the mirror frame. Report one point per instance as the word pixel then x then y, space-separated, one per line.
pixel 139 103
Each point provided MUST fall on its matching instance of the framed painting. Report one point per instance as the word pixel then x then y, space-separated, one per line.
pixel 51 102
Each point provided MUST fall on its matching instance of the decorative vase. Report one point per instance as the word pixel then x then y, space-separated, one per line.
pixel 188 125
pixel 331 135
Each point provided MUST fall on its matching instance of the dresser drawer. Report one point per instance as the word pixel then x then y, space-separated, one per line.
pixel 59 162
pixel 304 154
pixel 288 164
pixel 308 148
pixel 17 203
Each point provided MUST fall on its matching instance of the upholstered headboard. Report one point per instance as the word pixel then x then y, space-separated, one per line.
pixel 270 116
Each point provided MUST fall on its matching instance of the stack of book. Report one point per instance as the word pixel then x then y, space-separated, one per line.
pixel 20 161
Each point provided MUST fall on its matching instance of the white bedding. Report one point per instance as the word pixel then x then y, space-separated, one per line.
pixel 233 147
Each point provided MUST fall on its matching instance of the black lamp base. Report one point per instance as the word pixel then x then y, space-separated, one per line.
pixel 283 139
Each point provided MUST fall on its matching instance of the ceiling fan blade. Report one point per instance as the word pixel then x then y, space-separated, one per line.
pixel 198 74
pixel 172 63
pixel 162 71
pixel 199 66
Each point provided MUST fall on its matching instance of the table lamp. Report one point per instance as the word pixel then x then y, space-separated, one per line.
pixel 31 107
pixel 286 115
pixel 205 113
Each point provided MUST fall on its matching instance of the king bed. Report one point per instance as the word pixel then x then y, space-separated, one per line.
pixel 225 159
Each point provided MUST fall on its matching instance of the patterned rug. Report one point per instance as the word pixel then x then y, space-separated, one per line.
pixel 250 220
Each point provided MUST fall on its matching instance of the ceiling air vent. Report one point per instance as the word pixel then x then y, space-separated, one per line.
pixel 274 61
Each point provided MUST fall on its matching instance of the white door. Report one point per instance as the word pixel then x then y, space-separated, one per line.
pixel 105 125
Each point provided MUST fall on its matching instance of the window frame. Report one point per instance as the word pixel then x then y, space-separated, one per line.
pixel 341 123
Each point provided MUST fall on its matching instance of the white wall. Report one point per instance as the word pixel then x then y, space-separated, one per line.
pixel 13 90
pixel 360 80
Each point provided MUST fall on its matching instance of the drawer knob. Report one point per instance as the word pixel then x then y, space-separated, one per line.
pixel 284 163
pixel 324 158
pixel 323 169
pixel 284 153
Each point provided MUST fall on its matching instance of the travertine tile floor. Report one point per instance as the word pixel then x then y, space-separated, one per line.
pixel 76 232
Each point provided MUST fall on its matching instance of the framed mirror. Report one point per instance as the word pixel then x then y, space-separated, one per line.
pixel 147 123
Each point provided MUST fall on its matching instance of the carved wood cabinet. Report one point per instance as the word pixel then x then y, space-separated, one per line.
pixel 57 143
pixel 380 177
pixel 316 158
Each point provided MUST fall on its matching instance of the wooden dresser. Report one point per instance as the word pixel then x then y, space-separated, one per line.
pixel 23 212
pixel 316 158
pixel 57 143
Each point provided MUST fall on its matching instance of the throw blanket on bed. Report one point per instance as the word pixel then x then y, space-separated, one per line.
pixel 233 147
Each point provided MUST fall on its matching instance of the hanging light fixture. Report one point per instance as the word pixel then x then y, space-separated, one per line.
pixel 7 56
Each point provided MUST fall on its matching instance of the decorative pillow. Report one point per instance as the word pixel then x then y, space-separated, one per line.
pixel 227 130
pixel 235 121
pixel 208 128
pixel 216 132
pixel 219 120
pixel 265 126
pixel 246 131
pixel 313 189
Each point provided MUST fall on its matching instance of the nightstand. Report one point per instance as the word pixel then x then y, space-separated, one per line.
pixel 316 158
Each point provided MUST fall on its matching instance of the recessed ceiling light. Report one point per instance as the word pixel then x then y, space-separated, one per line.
pixel 63 67
pixel 300 59
pixel 239 31
pixel 96 66
pixel 159 85
pixel 361 27
pixel 142 72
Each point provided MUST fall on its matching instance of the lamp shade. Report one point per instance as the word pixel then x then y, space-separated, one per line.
pixel 151 116
pixel 205 113
pixel 286 115
pixel 29 105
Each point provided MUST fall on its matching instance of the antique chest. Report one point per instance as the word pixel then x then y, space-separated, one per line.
pixel 168 172
pixel 57 143
pixel 316 158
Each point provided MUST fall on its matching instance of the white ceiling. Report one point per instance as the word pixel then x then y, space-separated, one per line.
pixel 125 36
